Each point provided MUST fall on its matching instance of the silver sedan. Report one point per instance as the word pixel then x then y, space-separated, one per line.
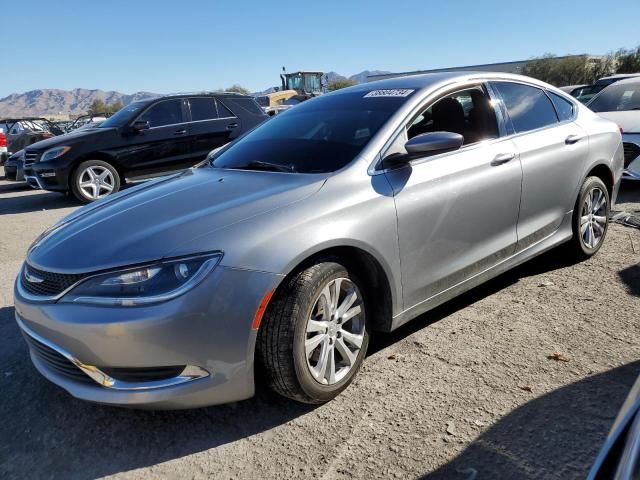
pixel 351 213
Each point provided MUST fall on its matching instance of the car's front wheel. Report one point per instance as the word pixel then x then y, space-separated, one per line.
pixel 94 179
pixel 590 218
pixel 314 335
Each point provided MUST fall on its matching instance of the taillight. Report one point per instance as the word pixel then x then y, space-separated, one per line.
pixel 3 139
pixel 621 130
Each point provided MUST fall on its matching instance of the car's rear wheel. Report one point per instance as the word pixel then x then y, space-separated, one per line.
pixel 94 179
pixel 590 218
pixel 314 335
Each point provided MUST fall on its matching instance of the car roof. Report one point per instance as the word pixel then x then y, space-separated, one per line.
pixel 192 94
pixel 626 81
pixel 620 75
pixel 428 80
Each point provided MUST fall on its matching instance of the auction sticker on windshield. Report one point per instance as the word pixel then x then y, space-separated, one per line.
pixel 396 92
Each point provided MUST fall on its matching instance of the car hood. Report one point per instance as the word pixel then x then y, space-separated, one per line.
pixel 149 221
pixel 69 138
pixel 629 120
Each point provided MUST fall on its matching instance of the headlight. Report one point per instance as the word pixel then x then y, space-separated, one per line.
pixel 144 285
pixel 54 153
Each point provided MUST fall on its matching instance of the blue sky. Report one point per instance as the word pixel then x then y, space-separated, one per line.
pixel 167 46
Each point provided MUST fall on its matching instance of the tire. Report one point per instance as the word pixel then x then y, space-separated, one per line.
pixel 590 224
pixel 83 177
pixel 286 333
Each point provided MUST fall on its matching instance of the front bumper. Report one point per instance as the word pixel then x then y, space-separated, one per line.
pixel 46 177
pixel 207 329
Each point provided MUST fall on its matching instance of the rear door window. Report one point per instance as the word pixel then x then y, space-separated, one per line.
pixel 223 112
pixel 203 109
pixel 528 107
pixel 166 112
pixel 248 104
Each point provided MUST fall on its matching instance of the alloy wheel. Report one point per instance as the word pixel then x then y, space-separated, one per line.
pixel 593 217
pixel 96 182
pixel 335 331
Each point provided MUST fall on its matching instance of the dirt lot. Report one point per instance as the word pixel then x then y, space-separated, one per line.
pixel 467 388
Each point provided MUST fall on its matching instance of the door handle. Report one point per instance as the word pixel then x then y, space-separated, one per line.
pixel 503 158
pixel 571 139
pixel 180 132
pixel 231 126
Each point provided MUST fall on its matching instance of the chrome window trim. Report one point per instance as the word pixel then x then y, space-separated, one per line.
pixel 190 372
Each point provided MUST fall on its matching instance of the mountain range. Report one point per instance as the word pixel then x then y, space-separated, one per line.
pixel 54 102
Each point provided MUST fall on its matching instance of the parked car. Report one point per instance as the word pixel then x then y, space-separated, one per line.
pixel 619 458
pixel 14 167
pixel 570 88
pixel 22 132
pixel 620 103
pixel 352 212
pixel 3 147
pixel 87 121
pixel 585 93
pixel 145 138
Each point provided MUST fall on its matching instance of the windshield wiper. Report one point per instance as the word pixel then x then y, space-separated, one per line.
pixel 259 165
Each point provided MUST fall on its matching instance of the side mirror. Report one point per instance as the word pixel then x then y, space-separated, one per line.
pixel 434 142
pixel 140 125
pixel 423 145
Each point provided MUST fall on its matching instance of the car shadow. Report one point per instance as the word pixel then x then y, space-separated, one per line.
pixel 554 436
pixel 40 200
pixel 631 278
pixel 547 262
pixel 629 192
pixel 46 433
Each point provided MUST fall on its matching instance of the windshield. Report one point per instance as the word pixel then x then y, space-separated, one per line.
pixel 123 116
pixel 318 136
pixel 617 97
pixel 295 82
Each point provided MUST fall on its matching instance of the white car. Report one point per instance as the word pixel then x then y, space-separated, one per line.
pixel 620 102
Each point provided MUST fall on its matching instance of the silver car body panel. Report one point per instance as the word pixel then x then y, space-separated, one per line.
pixel 436 227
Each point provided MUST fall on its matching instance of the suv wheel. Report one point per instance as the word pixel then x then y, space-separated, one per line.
pixel 94 179
pixel 314 336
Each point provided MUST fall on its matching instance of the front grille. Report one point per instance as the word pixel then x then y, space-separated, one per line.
pixel 631 152
pixel 30 158
pixel 52 284
pixel 56 362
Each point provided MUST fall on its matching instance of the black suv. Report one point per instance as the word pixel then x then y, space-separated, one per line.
pixel 145 138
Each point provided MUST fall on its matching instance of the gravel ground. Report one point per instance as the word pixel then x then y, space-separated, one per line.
pixel 467 388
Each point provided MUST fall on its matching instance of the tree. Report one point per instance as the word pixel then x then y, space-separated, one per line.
pixel 341 83
pixel 558 71
pixel 235 88
pixel 114 107
pixel 628 61
pixel 98 106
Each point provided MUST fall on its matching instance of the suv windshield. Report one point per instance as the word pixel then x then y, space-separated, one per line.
pixel 124 115
pixel 617 97
pixel 318 136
